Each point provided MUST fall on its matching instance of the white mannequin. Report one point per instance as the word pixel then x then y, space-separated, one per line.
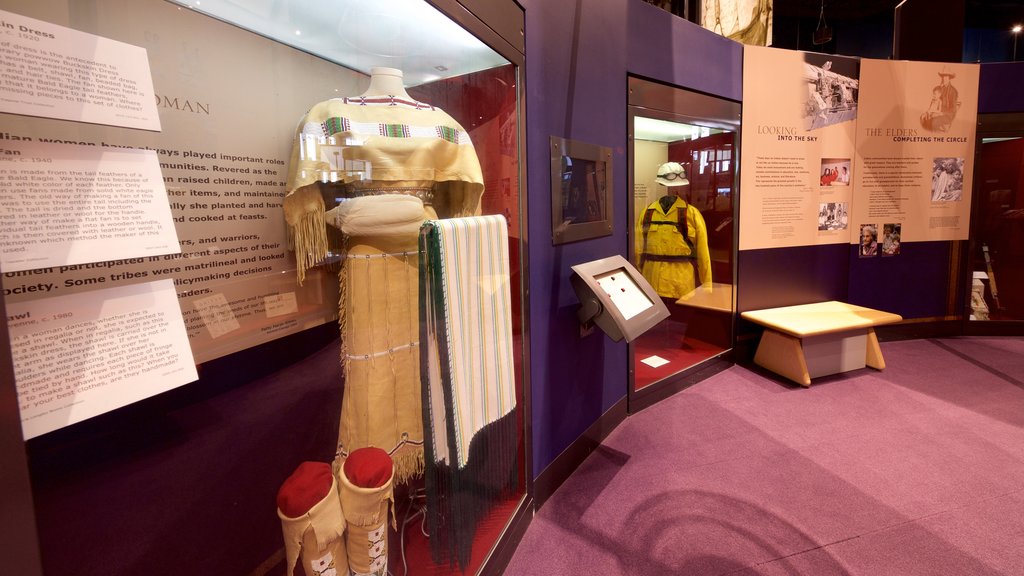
pixel 386 82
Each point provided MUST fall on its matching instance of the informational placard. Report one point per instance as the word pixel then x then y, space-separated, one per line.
pixel 81 355
pixel 647 157
pixel 223 151
pixel 655 361
pixel 64 205
pixel 624 293
pixel 217 315
pixel 799 129
pixel 915 150
pixel 57 72
pixel 280 304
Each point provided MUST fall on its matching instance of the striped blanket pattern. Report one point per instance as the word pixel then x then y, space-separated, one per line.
pixel 465 297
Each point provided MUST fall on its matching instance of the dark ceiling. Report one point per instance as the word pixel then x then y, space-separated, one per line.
pixel 979 13
pixel 839 9
pixel 865 28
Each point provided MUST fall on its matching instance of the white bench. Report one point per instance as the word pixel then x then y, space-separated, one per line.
pixel 812 340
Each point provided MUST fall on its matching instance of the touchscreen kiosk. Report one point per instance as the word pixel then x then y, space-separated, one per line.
pixel 616 297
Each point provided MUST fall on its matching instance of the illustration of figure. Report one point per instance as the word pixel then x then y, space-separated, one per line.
pixel 934 108
pixel 868 240
pixel 944 105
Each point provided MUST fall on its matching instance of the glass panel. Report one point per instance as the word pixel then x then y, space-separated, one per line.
pixel 486 104
pixel 684 178
pixel 997 260
pixel 317 130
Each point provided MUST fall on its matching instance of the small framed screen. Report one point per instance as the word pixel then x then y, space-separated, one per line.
pixel 581 184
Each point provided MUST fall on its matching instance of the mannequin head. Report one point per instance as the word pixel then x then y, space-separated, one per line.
pixel 386 82
pixel 671 174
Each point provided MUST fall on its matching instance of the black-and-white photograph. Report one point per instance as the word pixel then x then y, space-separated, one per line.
pixel 832 216
pixel 832 84
pixel 947 179
pixel 891 239
pixel 835 172
pixel 943 103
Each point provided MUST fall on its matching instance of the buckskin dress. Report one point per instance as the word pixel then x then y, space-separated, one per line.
pixel 389 164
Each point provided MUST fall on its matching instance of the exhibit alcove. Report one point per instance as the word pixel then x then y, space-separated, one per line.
pixel 683 203
pixel 994 274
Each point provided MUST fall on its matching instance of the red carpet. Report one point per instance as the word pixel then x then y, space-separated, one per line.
pixel 417 547
pixel 668 340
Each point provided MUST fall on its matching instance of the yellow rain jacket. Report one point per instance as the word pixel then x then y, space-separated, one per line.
pixel 672 248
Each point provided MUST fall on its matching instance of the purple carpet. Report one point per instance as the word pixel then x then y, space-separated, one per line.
pixel 918 469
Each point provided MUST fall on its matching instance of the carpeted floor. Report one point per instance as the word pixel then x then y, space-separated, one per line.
pixel 918 469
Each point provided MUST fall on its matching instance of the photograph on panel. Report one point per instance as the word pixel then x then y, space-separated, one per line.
pixel 835 172
pixel 832 84
pixel 832 216
pixel 891 239
pixel 868 241
pixel 947 179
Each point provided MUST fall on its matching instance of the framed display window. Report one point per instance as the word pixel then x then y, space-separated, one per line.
pixel 683 205
pixel 993 274
pixel 265 168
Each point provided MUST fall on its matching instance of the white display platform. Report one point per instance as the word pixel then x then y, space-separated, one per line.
pixel 812 340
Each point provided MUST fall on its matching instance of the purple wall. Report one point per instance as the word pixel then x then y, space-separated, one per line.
pixel 579 56
pixel 914 284
pixel 1001 88
pixel 790 276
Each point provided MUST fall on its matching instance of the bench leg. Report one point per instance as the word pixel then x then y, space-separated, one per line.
pixel 784 355
pixel 874 352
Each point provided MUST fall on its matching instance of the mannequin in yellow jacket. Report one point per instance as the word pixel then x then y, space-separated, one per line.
pixel 672 240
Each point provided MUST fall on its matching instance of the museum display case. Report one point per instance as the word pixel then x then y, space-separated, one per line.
pixel 190 185
pixel 683 178
pixel 994 275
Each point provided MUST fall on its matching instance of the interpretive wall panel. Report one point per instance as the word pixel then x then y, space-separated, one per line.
pixel 65 205
pixel 56 72
pixel 223 153
pixel 876 152
pixel 79 355
pixel 799 128
pixel 915 149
